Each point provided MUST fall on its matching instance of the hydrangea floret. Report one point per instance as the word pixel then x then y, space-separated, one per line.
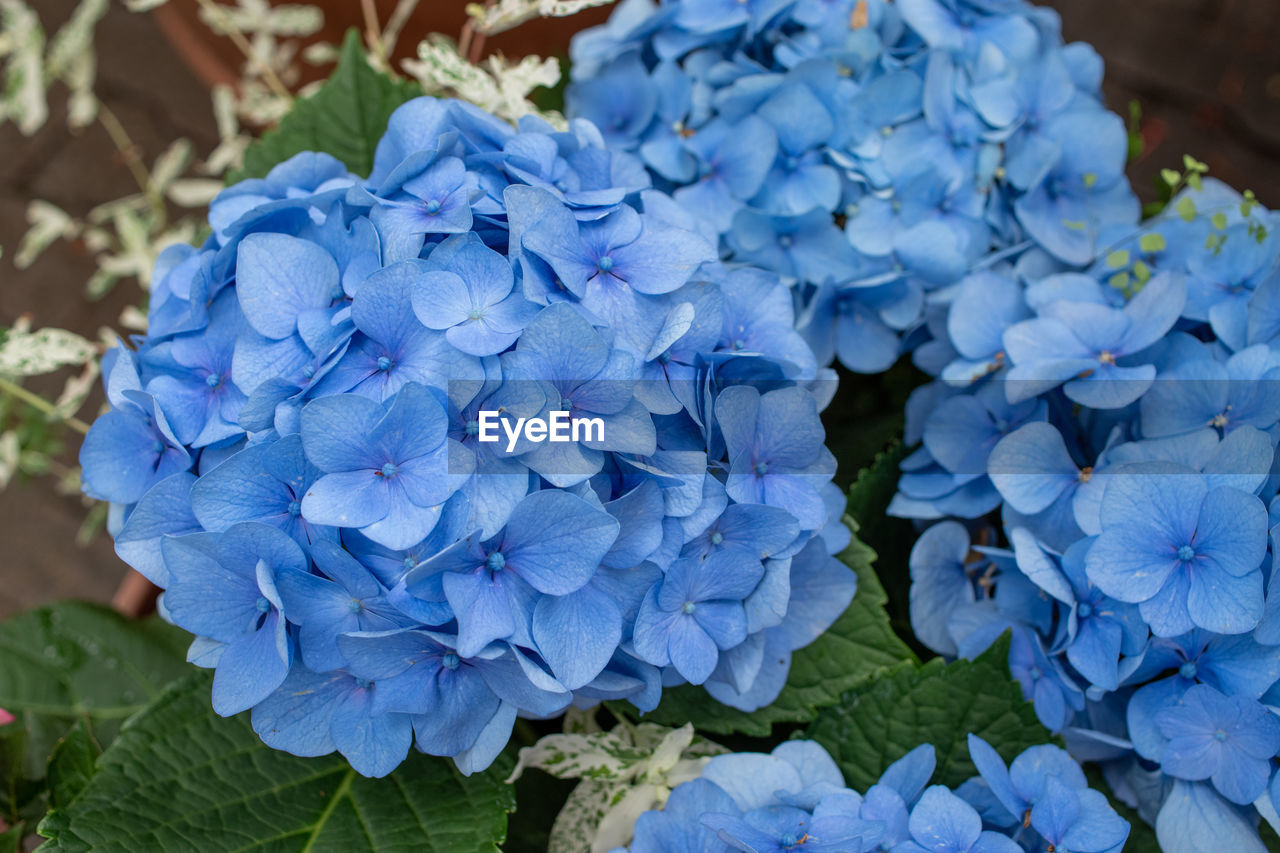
pixel 795 799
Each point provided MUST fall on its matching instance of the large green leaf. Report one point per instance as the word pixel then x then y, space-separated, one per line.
pixel 346 117
pixel 858 647
pixel 72 659
pixel 71 765
pixel 938 703
pixel 179 777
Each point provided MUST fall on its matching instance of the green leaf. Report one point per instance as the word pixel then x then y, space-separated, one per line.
pixel 938 703
pixel 179 777
pixel 11 838
pixel 71 764
pixel 72 659
pixel 1170 177
pixel 345 118
pixel 20 789
pixel 1187 209
pixel 858 647
pixel 1153 242
pixel 1118 258
pixel 1219 221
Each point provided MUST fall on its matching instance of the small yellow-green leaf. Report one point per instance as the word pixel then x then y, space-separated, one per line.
pixel 1141 272
pixel 1191 164
pixel 1153 242
pixel 1187 209
pixel 1118 258
pixel 1170 177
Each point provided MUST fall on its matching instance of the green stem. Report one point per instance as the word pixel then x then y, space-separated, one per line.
pixel 262 66
pixel 132 159
pixel 36 401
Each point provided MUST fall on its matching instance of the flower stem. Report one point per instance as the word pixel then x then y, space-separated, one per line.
pixel 132 159
pixel 13 389
pixel 373 30
pixel 238 38
pixel 395 24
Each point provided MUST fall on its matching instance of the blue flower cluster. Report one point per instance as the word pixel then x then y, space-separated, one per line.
pixel 938 135
pixel 794 799
pixel 1123 423
pixel 297 450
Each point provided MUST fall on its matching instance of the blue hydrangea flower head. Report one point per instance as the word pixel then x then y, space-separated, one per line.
pixel 327 449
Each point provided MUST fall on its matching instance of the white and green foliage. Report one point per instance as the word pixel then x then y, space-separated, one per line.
pixel 497 86
pixel 494 18
pixel 623 773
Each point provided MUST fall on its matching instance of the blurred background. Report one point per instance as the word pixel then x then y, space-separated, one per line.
pixel 1205 73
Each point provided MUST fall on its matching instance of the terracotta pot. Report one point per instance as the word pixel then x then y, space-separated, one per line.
pixel 214 59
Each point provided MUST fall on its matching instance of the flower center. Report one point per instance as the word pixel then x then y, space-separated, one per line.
pixel 384 363
pixel 496 562
pixel 688 607
pixel 1188 669
pixel 1035 673
pixel 295 508
pixel 605 264
pixel 473 427
pixel 157 446
pixel 433 207
pixel 1085 610
pixel 1186 553
pixel 784 240
pixel 475 313
pixel 1220 736
pixel 450 660
pixel 1106 357
pixel 762 468
pixel 389 470
pixel 262 604
pixel 213 380
pixel 565 404
pixel 363 683
pixel 717 538
pixel 355 605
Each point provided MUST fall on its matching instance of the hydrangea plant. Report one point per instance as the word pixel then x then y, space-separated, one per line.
pixel 337 448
